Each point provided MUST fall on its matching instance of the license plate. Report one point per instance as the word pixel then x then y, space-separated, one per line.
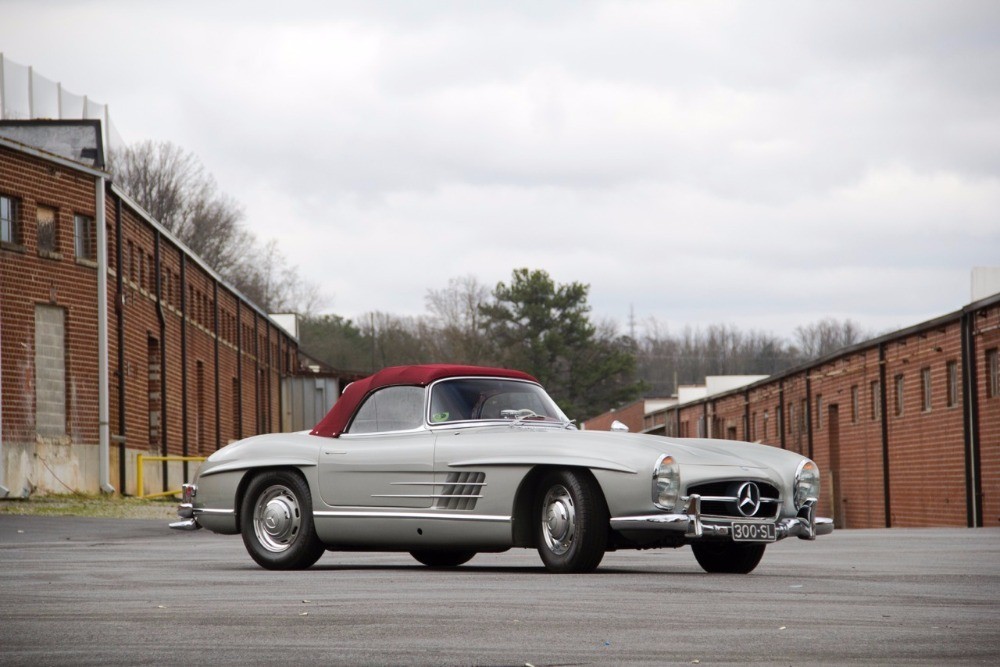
pixel 753 532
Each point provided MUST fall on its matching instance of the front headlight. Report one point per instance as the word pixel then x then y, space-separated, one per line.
pixel 806 483
pixel 666 482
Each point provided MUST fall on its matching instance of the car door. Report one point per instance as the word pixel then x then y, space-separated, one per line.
pixel 385 458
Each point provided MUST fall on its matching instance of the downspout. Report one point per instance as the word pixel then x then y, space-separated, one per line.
pixel 215 329
pixel 809 412
pixel 103 417
pixel 4 491
pixel 970 419
pixel 781 416
pixel 256 377
pixel 281 393
pixel 184 365
pixel 238 408
pixel 883 407
pixel 120 311
pixel 267 384
pixel 746 415
pixel 162 321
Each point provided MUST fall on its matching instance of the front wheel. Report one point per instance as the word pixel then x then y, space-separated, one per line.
pixel 572 533
pixel 443 558
pixel 728 557
pixel 277 523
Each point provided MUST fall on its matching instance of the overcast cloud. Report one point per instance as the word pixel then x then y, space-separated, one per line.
pixel 764 164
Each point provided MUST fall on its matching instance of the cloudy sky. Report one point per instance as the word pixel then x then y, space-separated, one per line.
pixel 763 164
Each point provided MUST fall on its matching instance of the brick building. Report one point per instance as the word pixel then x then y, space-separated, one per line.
pixel 631 415
pixel 906 427
pixel 190 363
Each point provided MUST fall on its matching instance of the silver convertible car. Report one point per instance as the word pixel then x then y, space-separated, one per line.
pixel 447 461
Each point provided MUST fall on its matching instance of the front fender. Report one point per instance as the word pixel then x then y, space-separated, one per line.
pixel 265 451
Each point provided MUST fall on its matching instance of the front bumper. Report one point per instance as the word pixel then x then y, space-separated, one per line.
pixel 806 525
pixel 185 511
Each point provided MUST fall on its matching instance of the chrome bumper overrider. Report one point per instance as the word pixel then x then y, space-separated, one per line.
pixel 186 509
pixel 805 526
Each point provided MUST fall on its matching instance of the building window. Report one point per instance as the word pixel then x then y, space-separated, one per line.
pixel 925 388
pixel 992 373
pixel 86 238
pixel 9 232
pixel 819 411
pixel 46 218
pixel 899 395
pixel 766 417
pixel 876 400
pixel 855 404
pixel 952 370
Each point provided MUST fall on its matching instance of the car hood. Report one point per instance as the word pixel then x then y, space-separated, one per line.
pixel 632 451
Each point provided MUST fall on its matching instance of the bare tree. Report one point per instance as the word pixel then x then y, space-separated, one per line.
pixel 665 360
pixel 827 336
pixel 395 340
pixel 456 318
pixel 174 188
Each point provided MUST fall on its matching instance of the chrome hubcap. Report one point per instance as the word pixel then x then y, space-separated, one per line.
pixel 276 518
pixel 558 520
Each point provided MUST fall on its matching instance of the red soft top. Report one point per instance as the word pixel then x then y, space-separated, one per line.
pixel 335 421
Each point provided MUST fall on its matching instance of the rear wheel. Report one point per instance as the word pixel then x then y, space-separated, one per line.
pixel 277 523
pixel 572 533
pixel 728 557
pixel 443 558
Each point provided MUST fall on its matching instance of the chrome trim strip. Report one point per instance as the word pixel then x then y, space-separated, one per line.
pixel 422 495
pixel 733 499
pixel 198 511
pixel 587 462
pixel 437 483
pixel 341 514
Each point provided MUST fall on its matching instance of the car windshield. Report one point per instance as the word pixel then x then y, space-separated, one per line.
pixel 477 399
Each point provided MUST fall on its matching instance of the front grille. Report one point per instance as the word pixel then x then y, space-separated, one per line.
pixel 722 499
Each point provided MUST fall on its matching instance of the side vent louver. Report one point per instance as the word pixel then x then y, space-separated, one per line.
pixel 461 489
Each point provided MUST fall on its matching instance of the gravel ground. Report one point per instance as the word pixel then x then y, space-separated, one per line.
pixel 112 507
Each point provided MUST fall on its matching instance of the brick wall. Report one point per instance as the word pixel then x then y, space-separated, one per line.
pixel 926 443
pixel 631 415
pixel 222 370
pixel 31 277
pixel 832 411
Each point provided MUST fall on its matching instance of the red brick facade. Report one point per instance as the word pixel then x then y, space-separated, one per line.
pixel 197 365
pixel 631 415
pixel 908 423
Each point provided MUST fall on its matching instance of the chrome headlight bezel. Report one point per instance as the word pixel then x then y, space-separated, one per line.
pixel 666 482
pixel 806 485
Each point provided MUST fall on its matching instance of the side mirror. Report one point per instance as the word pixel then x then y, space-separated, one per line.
pixel 619 427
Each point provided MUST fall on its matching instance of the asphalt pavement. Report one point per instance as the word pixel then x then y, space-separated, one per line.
pixel 77 591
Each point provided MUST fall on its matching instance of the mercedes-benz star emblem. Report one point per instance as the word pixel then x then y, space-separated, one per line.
pixel 748 499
